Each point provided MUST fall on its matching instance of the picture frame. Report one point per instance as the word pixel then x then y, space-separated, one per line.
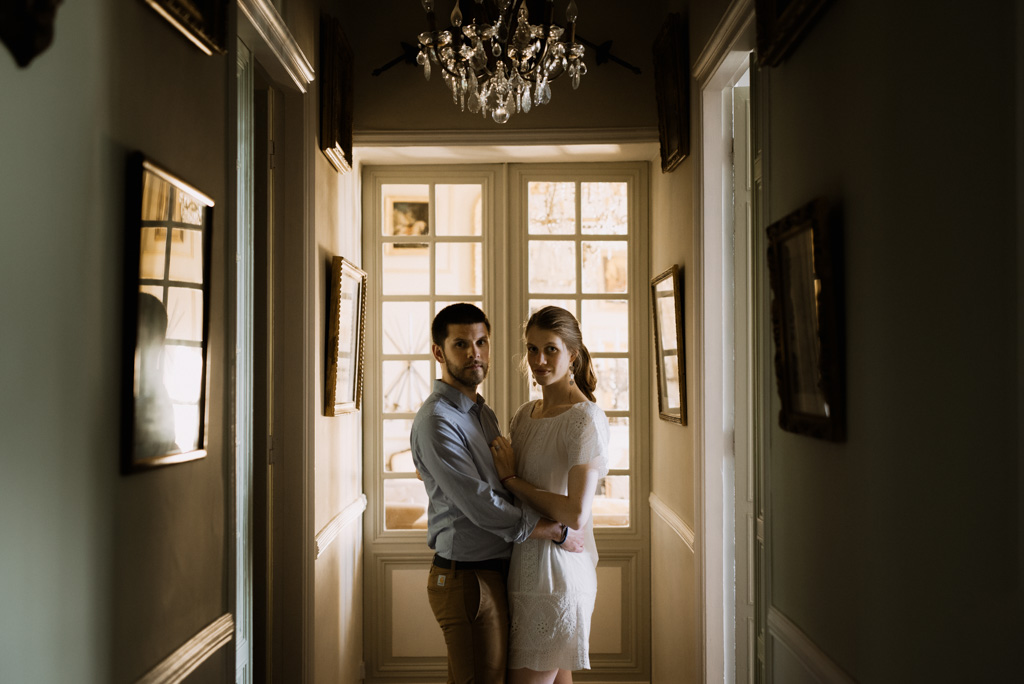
pixel 406 218
pixel 672 88
pixel 781 25
pixel 336 104
pixel 166 318
pixel 669 345
pixel 202 22
pixel 26 28
pixel 345 332
pixel 805 270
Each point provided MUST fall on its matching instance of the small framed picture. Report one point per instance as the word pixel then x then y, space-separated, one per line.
pixel 345 327
pixel 335 94
pixel 166 319
pixel 202 22
pixel 669 345
pixel 781 25
pixel 406 218
pixel 805 269
pixel 672 88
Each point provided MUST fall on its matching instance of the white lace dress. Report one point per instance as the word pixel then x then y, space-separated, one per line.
pixel 551 591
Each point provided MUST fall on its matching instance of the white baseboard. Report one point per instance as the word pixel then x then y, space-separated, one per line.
pixel 192 653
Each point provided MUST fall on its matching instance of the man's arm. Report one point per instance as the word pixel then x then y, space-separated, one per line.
pixel 549 529
pixel 445 457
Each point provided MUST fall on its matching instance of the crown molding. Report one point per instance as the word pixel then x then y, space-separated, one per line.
pixel 550 136
pixel 262 29
pixel 735 20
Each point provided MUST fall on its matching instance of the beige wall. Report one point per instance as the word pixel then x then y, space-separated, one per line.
pixel 675 631
pixel 103 575
pixel 338 484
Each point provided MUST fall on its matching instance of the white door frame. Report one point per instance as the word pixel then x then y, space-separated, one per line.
pixel 264 38
pixel 716 70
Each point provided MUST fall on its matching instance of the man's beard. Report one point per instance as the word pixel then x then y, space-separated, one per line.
pixel 468 377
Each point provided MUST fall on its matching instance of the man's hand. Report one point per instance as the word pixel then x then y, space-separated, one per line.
pixel 574 541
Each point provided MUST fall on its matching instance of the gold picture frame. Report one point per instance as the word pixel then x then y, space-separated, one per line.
pixel 202 22
pixel 345 331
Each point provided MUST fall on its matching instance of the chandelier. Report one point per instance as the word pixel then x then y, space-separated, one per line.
pixel 498 63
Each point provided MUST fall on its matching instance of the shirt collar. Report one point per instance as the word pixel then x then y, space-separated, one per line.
pixel 457 398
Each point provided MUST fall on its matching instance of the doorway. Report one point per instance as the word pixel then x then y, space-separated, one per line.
pixel 730 321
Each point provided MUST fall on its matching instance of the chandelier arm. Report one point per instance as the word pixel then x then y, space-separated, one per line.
pixel 603 53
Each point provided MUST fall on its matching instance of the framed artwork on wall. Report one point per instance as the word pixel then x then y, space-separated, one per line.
pixel 203 22
pixel 669 345
pixel 335 94
pixel 672 87
pixel 346 322
pixel 781 25
pixel 406 217
pixel 166 319
pixel 805 269
pixel 26 28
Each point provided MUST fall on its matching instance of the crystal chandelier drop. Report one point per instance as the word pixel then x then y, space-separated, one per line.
pixel 498 63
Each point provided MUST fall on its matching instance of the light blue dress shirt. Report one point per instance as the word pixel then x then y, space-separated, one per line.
pixel 471 516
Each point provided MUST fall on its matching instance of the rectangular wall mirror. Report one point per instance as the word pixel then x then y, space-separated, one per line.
pixel 166 314
pixel 805 270
pixel 669 353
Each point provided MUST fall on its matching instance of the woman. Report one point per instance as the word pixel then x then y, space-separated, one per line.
pixel 561 442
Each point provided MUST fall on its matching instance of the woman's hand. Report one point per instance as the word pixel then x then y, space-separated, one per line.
pixel 504 457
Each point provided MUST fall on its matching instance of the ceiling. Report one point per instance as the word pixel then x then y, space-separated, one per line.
pixel 400 103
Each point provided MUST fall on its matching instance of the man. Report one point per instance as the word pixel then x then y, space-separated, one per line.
pixel 471 519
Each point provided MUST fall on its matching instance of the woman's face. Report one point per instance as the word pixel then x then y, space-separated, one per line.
pixel 547 355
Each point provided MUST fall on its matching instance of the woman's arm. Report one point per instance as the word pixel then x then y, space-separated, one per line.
pixel 572 509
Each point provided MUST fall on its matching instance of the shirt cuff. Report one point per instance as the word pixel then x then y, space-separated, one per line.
pixel 529 522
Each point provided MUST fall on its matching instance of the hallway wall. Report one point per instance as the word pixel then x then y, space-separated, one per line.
pixel 903 543
pixel 339 486
pixel 101 575
pixel 677 637
pixel 895 556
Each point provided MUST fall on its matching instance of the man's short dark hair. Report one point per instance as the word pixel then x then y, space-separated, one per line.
pixel 456 314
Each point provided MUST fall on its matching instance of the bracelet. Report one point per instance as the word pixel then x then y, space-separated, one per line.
pixel 565 534
pixel 507 478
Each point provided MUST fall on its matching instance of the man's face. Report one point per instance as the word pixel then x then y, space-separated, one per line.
pixel 466 355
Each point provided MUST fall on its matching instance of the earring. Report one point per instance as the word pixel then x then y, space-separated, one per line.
pixel 572 379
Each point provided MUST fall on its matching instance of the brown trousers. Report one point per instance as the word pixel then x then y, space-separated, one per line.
pixel 472 608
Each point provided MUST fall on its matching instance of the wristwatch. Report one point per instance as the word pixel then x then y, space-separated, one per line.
pixel 565 534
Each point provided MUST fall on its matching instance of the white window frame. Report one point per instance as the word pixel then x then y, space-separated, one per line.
pixel 504 218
